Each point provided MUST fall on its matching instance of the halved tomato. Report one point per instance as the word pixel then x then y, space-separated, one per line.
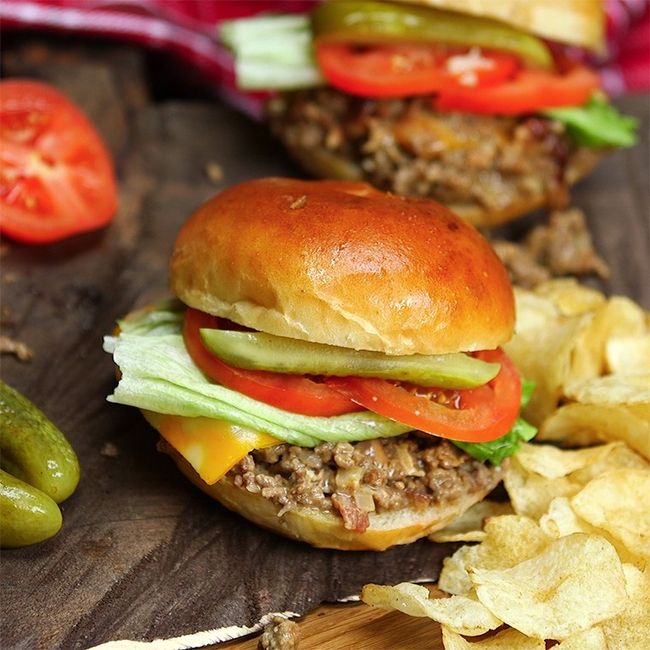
pixel 415 69
pixel 472 415
pixel 56 175
pixel 293 393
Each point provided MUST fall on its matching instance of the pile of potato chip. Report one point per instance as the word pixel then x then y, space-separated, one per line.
pixel 590 360
pixel 568 559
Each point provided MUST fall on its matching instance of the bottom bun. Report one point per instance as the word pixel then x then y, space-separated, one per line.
pixel 324 529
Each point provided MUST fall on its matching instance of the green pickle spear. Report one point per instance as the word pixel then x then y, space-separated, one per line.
pixel 39 469
pixel 383 22
pixel 261 351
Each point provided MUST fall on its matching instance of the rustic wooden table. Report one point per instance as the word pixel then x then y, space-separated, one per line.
pixel 143 554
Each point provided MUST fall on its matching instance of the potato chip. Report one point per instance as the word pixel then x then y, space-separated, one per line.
pixel 611 390
pixel 544 356
pixel 509 540
pixel 561 520
pixel 618 456
pixel 590 639
pixel 628 355
pixel 619 503
pixel 461 614
pixel 533 312
pixel 584 424
pixel 570 297
pixel 454 577
pixel 617 317
pixel 530 493
pixel 469 526
pixel 551 462
pixel 574 584
pixel 506 640
pixel 631 628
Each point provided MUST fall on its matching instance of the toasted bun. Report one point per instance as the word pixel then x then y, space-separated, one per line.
pixel 578 22
pixel 325 530
pixel 343 264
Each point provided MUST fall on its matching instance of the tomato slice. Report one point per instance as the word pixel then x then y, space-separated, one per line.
pixel 402 70
pixel 473 415
pixel 529 91
pixel 56 176
pixel 293 393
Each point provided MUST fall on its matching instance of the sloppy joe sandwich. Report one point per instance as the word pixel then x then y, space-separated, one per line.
pixel 489 107
pixel 331 368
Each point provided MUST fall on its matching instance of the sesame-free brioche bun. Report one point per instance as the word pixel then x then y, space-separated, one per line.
pixel 342 263
pixel 324 529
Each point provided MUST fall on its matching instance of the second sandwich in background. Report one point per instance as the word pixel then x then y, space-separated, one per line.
pixel 487 107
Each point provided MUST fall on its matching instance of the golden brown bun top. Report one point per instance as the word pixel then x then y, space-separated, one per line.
pixel 578 22
pixel 342 263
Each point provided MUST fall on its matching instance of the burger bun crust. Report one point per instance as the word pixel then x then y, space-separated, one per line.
pixel 342 263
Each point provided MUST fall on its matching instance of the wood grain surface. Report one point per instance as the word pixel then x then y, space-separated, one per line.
pixel 358 627
pixel 143 554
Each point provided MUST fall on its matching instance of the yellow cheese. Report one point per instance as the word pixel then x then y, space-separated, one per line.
pixel 210 446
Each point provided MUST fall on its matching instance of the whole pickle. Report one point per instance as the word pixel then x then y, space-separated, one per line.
pixel 27 515
pixel 33 449
pixel 38 469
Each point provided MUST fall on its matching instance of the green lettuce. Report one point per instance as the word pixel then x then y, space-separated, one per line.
pixel 157 374
pixel 272 52
pixel 597 123
pixel 496 450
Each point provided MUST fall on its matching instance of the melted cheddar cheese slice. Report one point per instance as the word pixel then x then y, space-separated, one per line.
pixel 210 446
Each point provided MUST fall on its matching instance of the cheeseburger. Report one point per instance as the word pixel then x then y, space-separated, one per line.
pixel 331 367
pixel 486 106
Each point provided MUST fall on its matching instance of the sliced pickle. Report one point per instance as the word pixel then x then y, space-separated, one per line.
pixel 261 351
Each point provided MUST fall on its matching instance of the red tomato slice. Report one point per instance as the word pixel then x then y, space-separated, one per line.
pixel 293 393
pixel 529 91
pixel 56 176
pixel 402 70
pixel 473 415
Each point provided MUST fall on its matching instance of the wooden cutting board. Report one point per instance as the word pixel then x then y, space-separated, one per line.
pixel 143 554
pixel 358 626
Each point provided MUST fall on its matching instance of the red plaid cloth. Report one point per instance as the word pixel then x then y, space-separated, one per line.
pixel 188 28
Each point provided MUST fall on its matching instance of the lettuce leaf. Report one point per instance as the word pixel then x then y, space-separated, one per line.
pixel 597 123
pixel 272 52
pixel 157 374
pixel 497 450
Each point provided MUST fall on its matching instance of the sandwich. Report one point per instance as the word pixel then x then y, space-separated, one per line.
pixel 330 366
pixel 487 107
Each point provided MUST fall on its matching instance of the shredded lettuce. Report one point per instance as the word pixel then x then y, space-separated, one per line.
pixel 597 123
pixel 157 374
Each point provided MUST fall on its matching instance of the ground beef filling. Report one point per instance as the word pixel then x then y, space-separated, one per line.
pixel 355 479
pixel 405 146
pixel 561 247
